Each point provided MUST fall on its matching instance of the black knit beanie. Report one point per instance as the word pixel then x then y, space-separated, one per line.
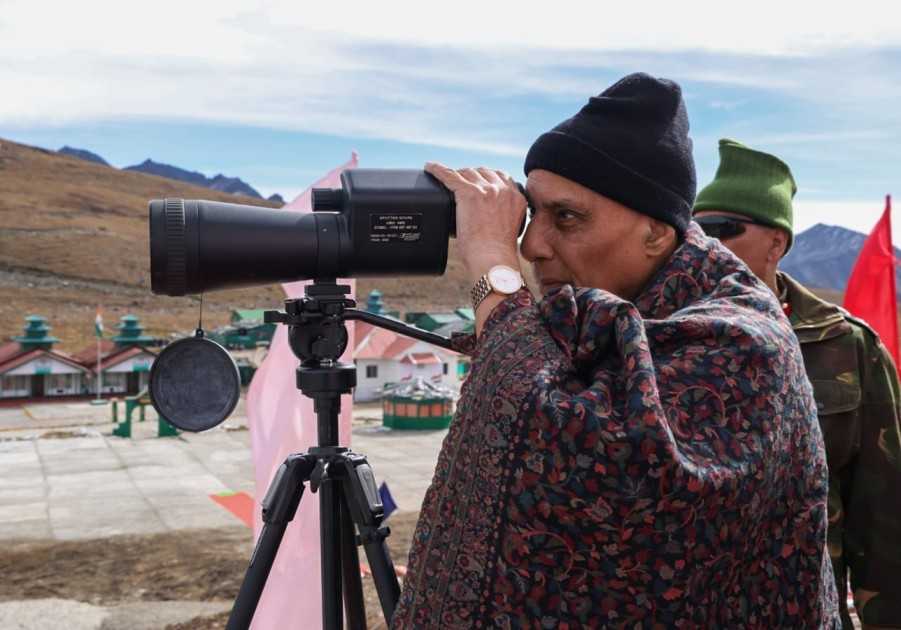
pixel 629 144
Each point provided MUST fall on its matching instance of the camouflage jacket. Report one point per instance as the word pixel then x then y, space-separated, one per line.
pixel 856 389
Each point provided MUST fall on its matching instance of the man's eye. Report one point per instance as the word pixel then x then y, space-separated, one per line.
pixel 565 215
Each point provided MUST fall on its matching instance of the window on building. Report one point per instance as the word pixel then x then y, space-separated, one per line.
pixel 17 385
pixel 372 371
pixel 60 382
pixel 114 382
pixel 444 367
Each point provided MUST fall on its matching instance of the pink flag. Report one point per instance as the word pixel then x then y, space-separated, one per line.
pixel 282 421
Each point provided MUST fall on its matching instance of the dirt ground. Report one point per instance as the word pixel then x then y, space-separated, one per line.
pixel 191 565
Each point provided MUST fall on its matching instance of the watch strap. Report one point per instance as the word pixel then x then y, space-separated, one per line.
pixel 480 291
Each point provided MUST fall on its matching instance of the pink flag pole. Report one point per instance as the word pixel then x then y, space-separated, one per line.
pixel 282 422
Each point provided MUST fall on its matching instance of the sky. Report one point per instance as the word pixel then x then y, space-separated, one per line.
pixel 278 93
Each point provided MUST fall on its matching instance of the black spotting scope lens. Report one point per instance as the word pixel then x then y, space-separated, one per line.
pixel 198 246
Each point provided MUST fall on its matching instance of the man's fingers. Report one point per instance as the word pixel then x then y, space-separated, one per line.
pixel 490 175
pixel 504 177
pixel 482 177
pixel 472 176
pixel 447 176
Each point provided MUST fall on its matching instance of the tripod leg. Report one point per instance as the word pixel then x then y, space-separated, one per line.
pixel 330 546
pixel 366 508
pixel 354 604
pixel 382 567
pixel 279 507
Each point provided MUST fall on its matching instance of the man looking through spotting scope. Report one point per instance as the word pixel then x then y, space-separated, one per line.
pixel 640 445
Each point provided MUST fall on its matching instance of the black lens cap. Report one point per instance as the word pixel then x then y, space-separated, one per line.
pixel 195 384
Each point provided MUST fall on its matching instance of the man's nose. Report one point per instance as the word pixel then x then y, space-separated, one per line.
pixel 535 244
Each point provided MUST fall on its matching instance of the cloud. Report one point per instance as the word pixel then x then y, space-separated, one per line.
pixel 818 137
pixel 854 214
pixel 474 76
pixel 228 30
pixel 769 27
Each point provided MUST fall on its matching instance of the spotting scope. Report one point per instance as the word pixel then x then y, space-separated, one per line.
pixel 379 223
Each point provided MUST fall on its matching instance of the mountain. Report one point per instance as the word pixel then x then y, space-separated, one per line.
pixel 170 172
pixel 823 256
pixel 232 185
pixel 83 154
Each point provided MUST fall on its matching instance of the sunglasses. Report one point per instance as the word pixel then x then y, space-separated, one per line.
pixel 723 227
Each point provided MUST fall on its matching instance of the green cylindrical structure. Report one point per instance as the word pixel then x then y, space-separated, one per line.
pixel 419 405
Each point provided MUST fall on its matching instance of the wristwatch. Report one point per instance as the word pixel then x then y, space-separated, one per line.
pixel 499 279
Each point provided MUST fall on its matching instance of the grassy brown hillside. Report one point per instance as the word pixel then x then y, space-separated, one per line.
pixel 73 235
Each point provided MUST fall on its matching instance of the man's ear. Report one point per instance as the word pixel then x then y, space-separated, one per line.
pixel 778 245
pixel 660 238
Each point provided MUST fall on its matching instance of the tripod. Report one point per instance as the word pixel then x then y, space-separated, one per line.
pixel 348 495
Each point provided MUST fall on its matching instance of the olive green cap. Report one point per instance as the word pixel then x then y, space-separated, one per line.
pixel 752 183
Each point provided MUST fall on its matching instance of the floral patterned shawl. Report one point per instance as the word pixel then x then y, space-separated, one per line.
pixel 630 464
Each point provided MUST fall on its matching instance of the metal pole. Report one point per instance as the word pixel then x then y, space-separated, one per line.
pixel 99 373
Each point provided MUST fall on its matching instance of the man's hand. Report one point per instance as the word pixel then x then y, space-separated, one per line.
pixel 490 211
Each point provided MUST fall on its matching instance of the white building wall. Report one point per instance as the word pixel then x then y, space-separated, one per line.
pixel 115 378
pixel 45 365
pixel 60 378
pixel 369 388
pixel 62 385
pixel 113 383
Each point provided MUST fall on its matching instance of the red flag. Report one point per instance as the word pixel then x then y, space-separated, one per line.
pixel 870 294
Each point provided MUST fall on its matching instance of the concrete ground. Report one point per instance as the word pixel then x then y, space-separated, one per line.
pixel 64 476
pixel 56 485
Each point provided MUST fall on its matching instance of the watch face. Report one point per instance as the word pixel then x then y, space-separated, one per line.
pixel 504 279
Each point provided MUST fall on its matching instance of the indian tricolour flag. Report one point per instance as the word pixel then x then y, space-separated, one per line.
pixel 98 324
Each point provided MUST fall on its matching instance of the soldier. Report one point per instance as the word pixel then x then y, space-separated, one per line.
pixel 748 206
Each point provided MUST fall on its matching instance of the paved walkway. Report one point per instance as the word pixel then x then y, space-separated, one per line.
pixel 98 485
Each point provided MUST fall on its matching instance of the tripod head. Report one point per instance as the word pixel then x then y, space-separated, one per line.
pixel 316 330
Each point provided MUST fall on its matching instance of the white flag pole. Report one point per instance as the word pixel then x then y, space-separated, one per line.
pixel 99 373
pixel 98 330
